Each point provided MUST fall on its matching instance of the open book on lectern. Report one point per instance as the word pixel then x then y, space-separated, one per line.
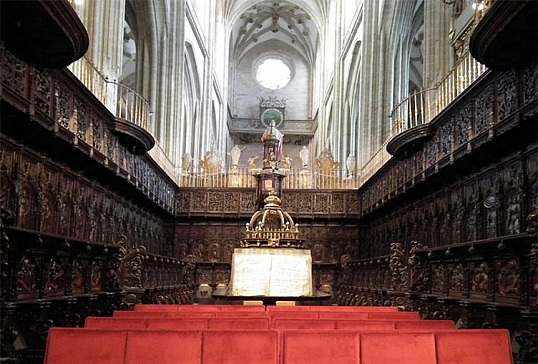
pixel 271 272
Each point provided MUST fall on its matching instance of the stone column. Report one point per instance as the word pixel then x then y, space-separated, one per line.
pixel 104 23
pixel 438 53
pixel 369 83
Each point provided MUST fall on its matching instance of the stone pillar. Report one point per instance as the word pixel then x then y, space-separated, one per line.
pixel 370 73
pixel 104 23
pixel 160 67
pixel 438 53
pixel 338 138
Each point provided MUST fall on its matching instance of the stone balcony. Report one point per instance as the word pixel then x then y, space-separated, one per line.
pixel 248 130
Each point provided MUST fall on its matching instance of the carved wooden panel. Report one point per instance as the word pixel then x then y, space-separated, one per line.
pixel 203 202
pixel 507 94
pixel 446 136
pixel 530 82
pixel 507 279
pixel 215 241
pixel 59 103
pixel 42 86
pixel 54 200
pixel 484 111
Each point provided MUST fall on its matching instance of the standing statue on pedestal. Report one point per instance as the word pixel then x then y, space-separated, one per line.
pixel 186 164
pixel 304 154
pixel 235 154
pixel 351 163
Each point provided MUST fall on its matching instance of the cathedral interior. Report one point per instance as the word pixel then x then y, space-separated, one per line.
pixel 132 144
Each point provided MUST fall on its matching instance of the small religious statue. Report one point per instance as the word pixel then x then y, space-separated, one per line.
pixel 287 162
pixel 491 223
pixel 235 154
pixel 351 163
pixel 252 162
pixel 211 162
pixel 304 154
pixel 186 163
pixel 326 163
pixel 513 215
pixel 272 160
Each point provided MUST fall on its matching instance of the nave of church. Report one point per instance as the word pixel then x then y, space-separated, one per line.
pixel 151 149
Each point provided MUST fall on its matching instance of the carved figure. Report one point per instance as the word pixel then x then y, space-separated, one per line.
pixel 132 267
pixel 456 224
pixel 508 278
pixel 272 161
pixel 471 222
pixel 318 253
pixel 398 266
pixel 211 162
pixel 304 154
pixel 445 228
pixel 513 215
pixel 326 162
pixel 287 162
pixel 456 278
pixel 235 154
pixel 252 162
pixel 480 279
pixel 186 164
pixel 438 277
pixel 491 223
pixel 55 275
pixel 351 163
pixel 199 251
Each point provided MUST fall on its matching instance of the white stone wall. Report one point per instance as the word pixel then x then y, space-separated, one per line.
pixel 247 89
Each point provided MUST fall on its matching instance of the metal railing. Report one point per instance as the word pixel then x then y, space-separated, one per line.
pixel 121 100
pixel 337 179
pixel 421 107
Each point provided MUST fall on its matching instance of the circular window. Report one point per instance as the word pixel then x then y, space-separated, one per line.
pixel 273 73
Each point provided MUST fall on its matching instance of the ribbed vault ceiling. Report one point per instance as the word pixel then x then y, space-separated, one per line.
pixel 295 23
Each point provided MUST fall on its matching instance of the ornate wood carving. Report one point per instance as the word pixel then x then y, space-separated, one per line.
pixel 57 101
